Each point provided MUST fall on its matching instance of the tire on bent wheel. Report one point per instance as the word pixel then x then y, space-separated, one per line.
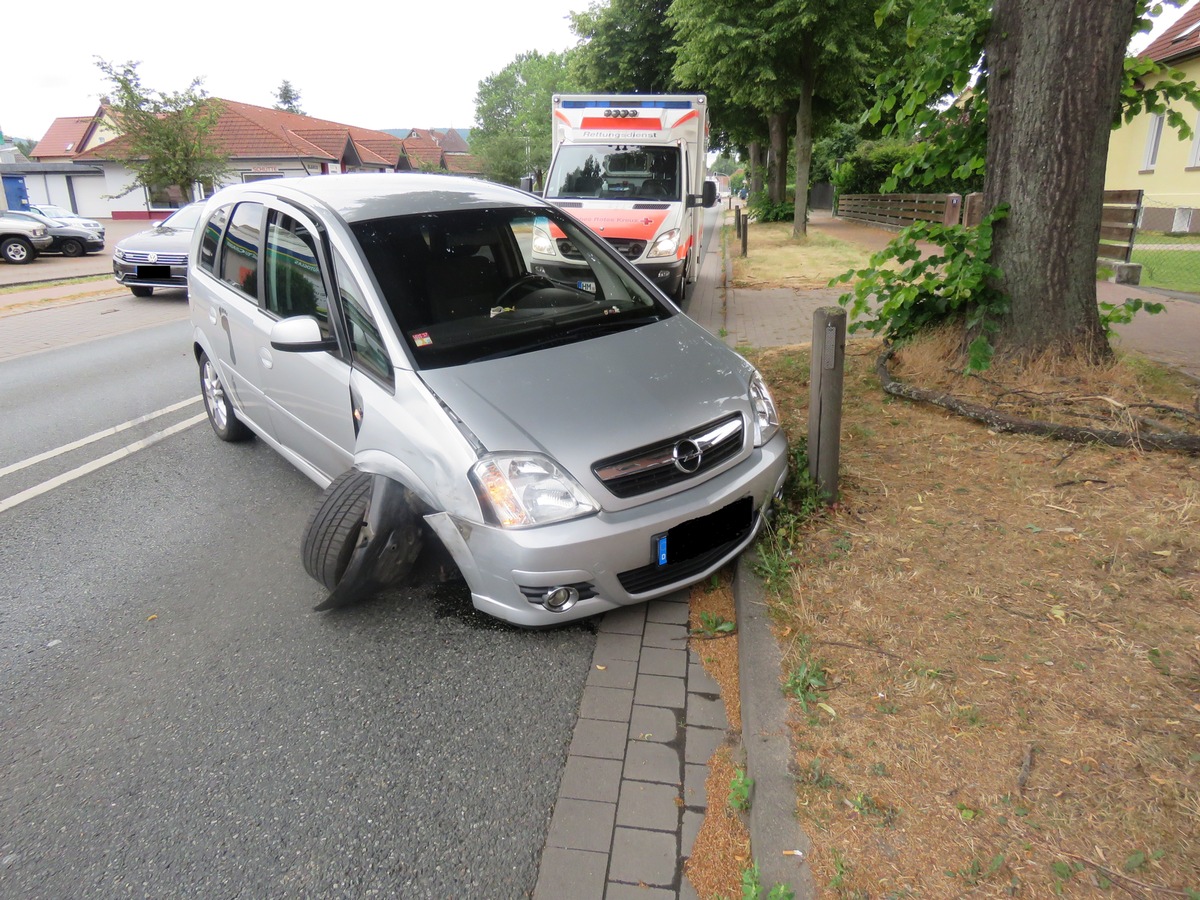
pixel 363 536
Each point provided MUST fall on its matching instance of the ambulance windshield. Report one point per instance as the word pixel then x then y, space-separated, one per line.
pixel 615 172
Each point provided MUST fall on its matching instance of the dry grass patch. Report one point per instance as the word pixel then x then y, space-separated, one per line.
pixel 721 852
pixel 1006 632
pixel 772 255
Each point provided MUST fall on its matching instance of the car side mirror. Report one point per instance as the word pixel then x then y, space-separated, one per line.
pixel 707 199
pixel 300 334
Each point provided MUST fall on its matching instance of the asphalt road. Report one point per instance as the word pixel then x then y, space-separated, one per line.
pixel 178 722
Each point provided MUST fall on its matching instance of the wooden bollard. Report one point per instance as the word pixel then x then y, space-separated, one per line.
pixel 826 375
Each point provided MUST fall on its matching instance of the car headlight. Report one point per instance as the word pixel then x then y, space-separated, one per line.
pixel 542 243
pixel 667 244
pixel 766 417
pixel 520 490
pixel 119 253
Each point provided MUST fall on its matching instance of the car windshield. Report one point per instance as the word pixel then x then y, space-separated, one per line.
pixel 184 218
pixel 479 284
pixel 615 172
pixel 57 212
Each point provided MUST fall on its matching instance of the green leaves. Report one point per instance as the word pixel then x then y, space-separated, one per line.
pixel 904 290
pixel 166 137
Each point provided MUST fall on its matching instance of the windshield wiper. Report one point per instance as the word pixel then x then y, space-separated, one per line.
pixel 607 325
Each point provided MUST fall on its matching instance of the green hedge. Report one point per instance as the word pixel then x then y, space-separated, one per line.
pixel 866 169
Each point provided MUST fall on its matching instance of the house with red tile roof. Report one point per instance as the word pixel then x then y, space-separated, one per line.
pixel 1147 154
pixel 260 143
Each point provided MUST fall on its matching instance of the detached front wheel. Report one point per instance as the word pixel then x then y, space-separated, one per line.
pixel 363 536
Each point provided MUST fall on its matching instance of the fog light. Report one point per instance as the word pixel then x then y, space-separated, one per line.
pixel 663 273
pixel 560 598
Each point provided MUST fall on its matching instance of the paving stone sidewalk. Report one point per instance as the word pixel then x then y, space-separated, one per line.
pixel 632 796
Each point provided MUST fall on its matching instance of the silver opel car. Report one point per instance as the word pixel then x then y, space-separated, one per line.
pixel 565 447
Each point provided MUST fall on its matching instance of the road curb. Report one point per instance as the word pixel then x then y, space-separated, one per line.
pixel 775 833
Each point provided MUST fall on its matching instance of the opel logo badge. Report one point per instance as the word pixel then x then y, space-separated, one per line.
pixel 686 456
pixel 153 257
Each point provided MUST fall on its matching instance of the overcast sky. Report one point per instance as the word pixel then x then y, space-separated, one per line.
pixel 405 64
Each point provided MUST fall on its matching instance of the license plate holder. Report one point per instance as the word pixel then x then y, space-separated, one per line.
pixel 696 536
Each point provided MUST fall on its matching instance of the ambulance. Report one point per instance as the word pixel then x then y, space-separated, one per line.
pixel 633 168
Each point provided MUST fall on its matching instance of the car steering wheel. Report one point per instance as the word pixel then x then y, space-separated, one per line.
pixel 524 279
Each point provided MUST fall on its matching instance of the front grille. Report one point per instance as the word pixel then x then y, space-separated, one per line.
pixel 700 544
pixel 653 467
pixel 627 247
pixel 651 206
pixel 163 259
pixel 567 249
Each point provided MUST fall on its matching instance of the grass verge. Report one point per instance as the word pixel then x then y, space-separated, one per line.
pixel 993 645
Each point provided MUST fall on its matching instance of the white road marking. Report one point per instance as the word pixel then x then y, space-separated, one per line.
pixel 101 462
pixel 92 438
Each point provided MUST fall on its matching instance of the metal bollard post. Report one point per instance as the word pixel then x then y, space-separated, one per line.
pixel 826 374
pixel 745 232
pixel 737 221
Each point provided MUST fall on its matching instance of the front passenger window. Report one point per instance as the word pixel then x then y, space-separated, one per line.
pixel 294 286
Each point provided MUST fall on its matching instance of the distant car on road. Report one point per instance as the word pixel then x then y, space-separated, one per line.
pixel 21 239
pixel 158 256
pixel 69 240
pixel 50 211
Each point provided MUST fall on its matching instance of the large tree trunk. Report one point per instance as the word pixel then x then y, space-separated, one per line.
pixel 803 145
pixel 1054 76
pixel 757 164
pixel 777 157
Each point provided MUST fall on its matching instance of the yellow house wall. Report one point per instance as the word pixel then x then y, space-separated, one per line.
pixel 1171 183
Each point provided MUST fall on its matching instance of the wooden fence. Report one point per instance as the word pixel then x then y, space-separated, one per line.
pixel 1117 230
pixel 899 210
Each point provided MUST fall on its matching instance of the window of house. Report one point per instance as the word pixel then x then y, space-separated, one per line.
pixel 293 285
pixel 1153 139
pixel 366 342
pixel 167 197
pixel 1194 155
pixel 239 252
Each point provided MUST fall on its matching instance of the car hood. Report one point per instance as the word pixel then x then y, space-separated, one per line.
pixel 598 398
pixel 160 238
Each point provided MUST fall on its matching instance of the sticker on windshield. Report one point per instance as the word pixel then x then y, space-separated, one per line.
pixel 422 339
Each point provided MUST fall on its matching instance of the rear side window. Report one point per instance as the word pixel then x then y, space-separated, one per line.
pixel 292 278
pixel 239 252
pixel 211 238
